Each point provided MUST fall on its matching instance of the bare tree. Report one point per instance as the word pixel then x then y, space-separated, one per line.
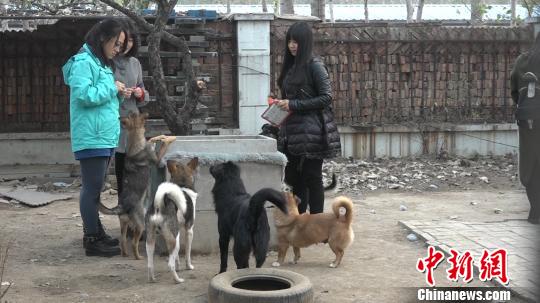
pixel 228 6
pixel 530 6
pixel 419 11
pixel 264 7
pixel 50 7
pixel 331 10
pixel 287 7
pixel 410 10
pixel 176 117
pixel 366 13
pixel 477 11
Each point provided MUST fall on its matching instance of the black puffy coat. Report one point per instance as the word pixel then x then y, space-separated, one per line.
pixel 310 130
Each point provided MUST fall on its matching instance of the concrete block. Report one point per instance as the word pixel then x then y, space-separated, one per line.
pixel 244 151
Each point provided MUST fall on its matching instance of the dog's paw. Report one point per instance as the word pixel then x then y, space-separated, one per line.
pixel 168 139
pixel 156 138
pixel 179 280
pixel 190 267
pixel 276 264
pixel 332 265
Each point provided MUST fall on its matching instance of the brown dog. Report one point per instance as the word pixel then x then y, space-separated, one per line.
pixel 302 230
pixel 140 156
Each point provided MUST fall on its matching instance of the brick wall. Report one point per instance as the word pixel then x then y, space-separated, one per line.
pixel 392 73
pixel 33 96
pixel 381 73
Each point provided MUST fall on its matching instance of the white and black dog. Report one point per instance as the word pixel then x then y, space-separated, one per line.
pixel 173 208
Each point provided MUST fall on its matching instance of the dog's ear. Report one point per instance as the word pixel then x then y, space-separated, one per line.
pixel 124 121
pixel 298 200
pixel 171 166
pixel 144 116
pixel 193 163
pixel 232 168
pixel 216 170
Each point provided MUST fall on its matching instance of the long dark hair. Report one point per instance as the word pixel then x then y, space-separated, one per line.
pixel 131 32
pixel 301 33
pixel 99 34
pixel 534 54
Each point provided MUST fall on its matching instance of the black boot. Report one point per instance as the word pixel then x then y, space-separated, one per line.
pixel 105 237
pixel 108 240
pixel 95 246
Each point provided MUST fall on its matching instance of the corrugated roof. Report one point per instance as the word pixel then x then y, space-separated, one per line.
pixel 28 25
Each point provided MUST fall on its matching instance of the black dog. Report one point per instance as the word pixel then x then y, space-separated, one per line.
pixel 242 216
pixel 270 131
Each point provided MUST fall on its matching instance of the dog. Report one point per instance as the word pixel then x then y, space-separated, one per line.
pixel 302 230
pixel 140 156
pixel 173 207
pixel 242 216
pixel 270 131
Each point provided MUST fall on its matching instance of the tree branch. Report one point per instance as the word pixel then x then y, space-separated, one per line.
pixel 140 21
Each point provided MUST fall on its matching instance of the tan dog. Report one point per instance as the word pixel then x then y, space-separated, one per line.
pixel 302 230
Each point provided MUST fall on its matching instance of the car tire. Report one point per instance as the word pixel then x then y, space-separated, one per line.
pixel 240 286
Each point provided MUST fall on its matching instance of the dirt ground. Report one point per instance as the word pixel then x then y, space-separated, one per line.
pixel 47 263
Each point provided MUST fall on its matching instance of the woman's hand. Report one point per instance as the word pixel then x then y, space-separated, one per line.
pixel 120 87
pixel 137 92
pixel 127 92
pixel 283 104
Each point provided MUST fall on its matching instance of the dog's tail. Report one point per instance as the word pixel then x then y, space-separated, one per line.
pixel 174 192
pixel 256 204
pixel 117 210
pixel 346 203
pixel 333 184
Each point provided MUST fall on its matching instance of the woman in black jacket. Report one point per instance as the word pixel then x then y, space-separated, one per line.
pixel 309 134
pixel 525 90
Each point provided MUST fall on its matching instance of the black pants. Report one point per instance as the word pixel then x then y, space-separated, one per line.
pixel 305 176
pixel 119 159
pixel 93 171
pixel 529 165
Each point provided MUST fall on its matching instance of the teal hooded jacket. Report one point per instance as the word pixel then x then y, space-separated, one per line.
pixel 94 102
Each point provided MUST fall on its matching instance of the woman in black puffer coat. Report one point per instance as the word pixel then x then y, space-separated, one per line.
pixel 309 134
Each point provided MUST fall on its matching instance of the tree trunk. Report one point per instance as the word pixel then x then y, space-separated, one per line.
pixel 228 6
pixel 287 7
pixel 477 11
pixel 419 11
pixel 513 12
pixel 264 7
pixel 366 13
pixel 160 87
pixel 410 10
pixel 177 118
pixel 317 9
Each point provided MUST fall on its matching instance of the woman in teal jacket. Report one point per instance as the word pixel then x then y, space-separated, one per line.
pixel 94 123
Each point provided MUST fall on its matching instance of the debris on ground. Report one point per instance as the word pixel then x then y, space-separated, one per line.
pixel 412 237
pixel 423 173
pixel 32 197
